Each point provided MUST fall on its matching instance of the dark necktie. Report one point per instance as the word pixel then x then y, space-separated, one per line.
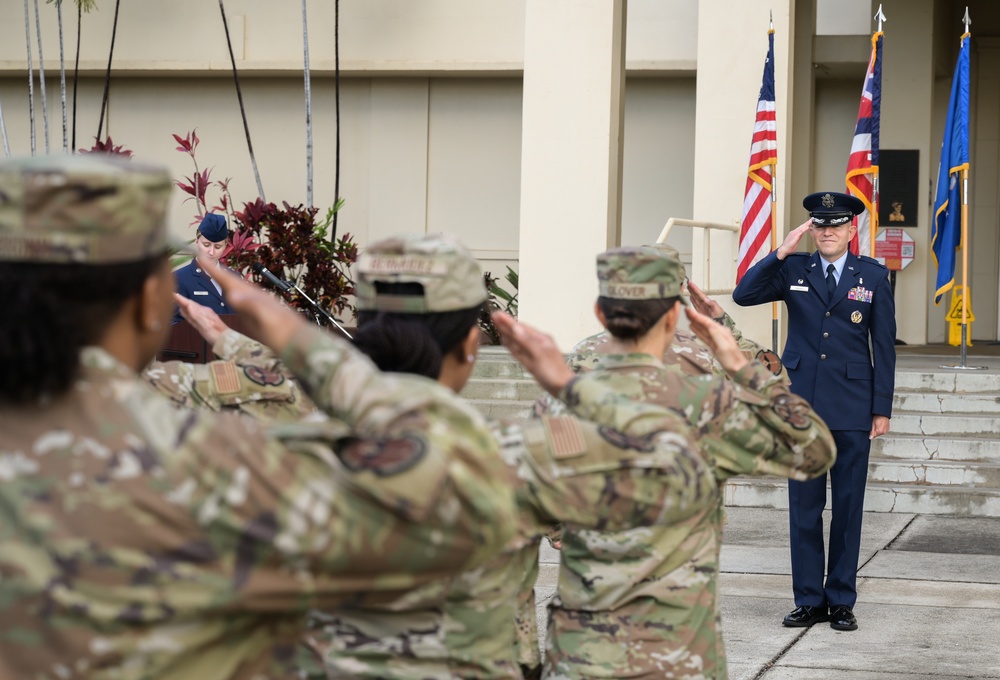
pixel 831 281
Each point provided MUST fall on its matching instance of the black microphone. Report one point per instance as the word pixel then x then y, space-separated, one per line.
pixel 283 286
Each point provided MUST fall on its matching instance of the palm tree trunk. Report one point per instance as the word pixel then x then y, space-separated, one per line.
pixel 76 69
pixel 31 74
pixel 3 133
pixel 62 77
pixel 309 140
pixel 336 98
pixel 239 96
pixel 41 77
pixel 107 75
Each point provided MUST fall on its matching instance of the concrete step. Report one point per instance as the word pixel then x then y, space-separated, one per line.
pixel 937 473
pixel 496 362
pixel 943 380
pixel 503 408
pixel 493 368
pixel 766 492
pixel 918 447
pixel 509 389
pixel 935 425
pixel 945 402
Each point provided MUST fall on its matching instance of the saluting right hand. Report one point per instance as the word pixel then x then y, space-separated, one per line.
pixel 270 321
pixel 536 351
pixel 719 339
pixel 791 242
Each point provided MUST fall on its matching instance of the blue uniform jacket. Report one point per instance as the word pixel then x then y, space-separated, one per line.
pixel 194 284
pixel 827 352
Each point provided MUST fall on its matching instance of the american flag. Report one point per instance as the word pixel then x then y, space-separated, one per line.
pixel 862 167
pixel 755 231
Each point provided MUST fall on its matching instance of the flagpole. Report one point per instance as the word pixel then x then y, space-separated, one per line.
pixel 964 213
pixel 873 218
pixel 774 217
pixel 965 233
pixel 965 263
pixel 774 246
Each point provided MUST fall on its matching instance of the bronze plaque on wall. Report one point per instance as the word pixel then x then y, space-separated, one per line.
pixel 898 184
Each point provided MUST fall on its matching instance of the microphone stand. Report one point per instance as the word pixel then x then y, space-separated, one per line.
pixel 319 311
pixel 285 286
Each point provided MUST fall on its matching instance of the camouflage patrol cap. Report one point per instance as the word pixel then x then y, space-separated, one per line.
pixel 450 276
pixel 669 251
pixel 86 209
pixel 639 274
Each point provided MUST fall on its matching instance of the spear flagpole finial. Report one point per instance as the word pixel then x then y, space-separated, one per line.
pixel 966 20
pixel 770 15
pixel 880 17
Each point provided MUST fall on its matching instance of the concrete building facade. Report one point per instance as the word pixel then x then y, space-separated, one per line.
pixel 537 131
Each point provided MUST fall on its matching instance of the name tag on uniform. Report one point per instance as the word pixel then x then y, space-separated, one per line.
pixel 804 289
pixel 860 294
pixel 201 292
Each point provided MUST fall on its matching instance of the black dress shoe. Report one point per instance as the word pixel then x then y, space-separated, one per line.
pixel 842 618
pixel 802 617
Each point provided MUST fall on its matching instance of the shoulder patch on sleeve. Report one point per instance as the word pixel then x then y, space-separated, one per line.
pixel 565 437
pixel 770 360
pixel 225 377
pixel 263 376
pixel 383 457
pixel 793 411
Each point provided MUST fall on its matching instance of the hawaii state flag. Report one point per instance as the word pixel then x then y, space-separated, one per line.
pixel 946 230
pixel 862 166
pixel 755 230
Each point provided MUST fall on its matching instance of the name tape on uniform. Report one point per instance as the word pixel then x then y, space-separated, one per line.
pixel 403 264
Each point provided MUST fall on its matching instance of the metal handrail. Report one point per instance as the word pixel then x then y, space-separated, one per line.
pixel 706 244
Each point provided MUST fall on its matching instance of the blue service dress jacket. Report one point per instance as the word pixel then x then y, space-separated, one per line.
pixel 827 354
pixel 195 284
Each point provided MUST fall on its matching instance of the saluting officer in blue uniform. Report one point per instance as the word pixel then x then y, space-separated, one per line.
pixel 837 304
pixel 196 284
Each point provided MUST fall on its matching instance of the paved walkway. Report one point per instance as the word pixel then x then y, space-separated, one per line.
pixel 928 605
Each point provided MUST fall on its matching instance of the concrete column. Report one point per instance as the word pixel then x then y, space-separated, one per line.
pixel 907 120
pixel 984 207
pixel 574 75
pixel 732 44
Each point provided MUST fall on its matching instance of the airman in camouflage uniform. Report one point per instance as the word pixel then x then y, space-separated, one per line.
pixel 686 353
pixel 642 603
pixel 564 470
pixel 248 379
pixel 142 541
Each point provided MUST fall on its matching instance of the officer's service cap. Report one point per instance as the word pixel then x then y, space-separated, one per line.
pixel 213 228
pixel 83 209
pixel 830 209
pixel 639 274
pixel 450 276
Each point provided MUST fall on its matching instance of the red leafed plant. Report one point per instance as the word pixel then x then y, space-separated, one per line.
pixel 298 249
pixel 288 241
pixel 197 184
pixel 108 147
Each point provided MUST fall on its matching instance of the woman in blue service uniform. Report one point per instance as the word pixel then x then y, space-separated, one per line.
pixel 197 284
